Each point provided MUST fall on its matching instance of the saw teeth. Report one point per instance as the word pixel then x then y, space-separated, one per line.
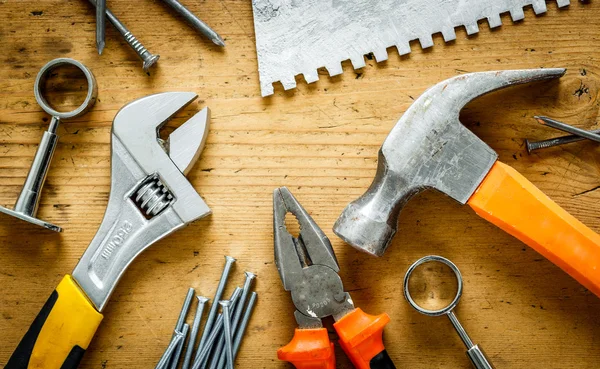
pixel 426 42
pixel 472 29
pixel 403 48
pixel 312 76
pixel 539 6
pixel 449 34
pixel 334 69
pixel 380 54
pixel 517 14
pixel 358 61
pixel 273 63
pixel 494 20
pixel 288 83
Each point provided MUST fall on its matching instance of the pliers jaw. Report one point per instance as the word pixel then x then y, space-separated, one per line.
pixel 307 264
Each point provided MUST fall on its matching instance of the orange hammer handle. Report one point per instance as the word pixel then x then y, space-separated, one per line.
pixel 508 200
pixel 309 349
pixel 361 338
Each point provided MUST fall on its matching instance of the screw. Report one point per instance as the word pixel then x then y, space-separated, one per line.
pixel 169 351
pixel 244 324
pixel 563 140
pixel 196 22
pixel 202 354
pixel 195 327
pixel 175 362
pixel 568 128
pixel 239 309
pixel 213 309
pixel 225 305
pixel 148 58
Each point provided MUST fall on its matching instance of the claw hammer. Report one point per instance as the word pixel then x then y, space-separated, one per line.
pixel 429 148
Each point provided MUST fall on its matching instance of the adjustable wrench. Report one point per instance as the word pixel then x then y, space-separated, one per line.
pixel 150 198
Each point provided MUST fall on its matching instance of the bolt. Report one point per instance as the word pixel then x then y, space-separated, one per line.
pixel 195 327
pixel 175 362
pixel 213 309
pixel 563 140
pixel 239 309
pixel 196 22
pixel 169 351
pixel 568 128
pixel 225 305
pixel 239 334
pixel 148 58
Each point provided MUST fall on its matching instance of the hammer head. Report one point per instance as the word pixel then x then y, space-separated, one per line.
pixel 428 148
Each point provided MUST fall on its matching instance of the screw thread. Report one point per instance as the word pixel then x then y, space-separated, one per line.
pixel 135 44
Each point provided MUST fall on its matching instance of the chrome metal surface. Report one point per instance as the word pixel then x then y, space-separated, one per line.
pixel 27 203
pixel 213 309
pixel 307 265
pixel 532 146
pixel 147 57
pixel 187 361
pixel 428 148
pixel 127 230
pixel 568 128
pixel 100 25
pixel 474 353
pixel 459 283
pixel 225 305
pixel 45 72
pixel 299 37
pixel 239 334
pixel 196 22
pixel 169 351
pixel 179 348
pixel 183 145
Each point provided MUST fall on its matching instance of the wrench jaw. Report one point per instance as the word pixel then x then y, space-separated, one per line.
pixel 150 197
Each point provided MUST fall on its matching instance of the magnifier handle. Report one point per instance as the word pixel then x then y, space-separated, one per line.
pixel 478 358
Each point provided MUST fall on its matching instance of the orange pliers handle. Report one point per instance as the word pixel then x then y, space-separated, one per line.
pixel 361 338
pixel 309 349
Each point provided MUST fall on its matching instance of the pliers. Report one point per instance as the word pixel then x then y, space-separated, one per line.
pixel 309 270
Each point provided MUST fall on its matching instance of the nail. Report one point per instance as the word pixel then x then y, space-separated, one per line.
pixel 100 25
pixel 179 349
pixel 563 140
pixel 213 309
pixel 195 327
pixel 568 128
pixel 239 309
pixel 225 305
pixel 219 347
pixel 196 22
pixel 185 309
pixel 202 354
pixel 148 58
pixel 169 351
pixel 244 324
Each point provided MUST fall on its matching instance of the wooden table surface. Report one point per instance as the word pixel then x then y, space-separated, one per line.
pixel 321 141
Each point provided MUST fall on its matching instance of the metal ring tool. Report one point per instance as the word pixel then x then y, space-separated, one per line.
pixel 27 204
pixel 474 352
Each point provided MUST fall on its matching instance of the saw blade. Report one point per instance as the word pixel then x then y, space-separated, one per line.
pixel 296 37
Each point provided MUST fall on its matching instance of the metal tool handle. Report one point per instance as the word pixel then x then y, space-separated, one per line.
pixel 29 197
pixel 61 332
pixel 478 358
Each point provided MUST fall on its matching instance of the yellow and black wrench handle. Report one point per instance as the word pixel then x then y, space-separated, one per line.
pixel 61 332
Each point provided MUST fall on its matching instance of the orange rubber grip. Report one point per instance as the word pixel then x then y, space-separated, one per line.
pixel 309 349
pixel 507 199
pixel 361 336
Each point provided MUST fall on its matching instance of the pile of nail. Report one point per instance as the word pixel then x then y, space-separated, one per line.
pixel 222 335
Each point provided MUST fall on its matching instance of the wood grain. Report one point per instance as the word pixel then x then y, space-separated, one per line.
pixel 321 141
